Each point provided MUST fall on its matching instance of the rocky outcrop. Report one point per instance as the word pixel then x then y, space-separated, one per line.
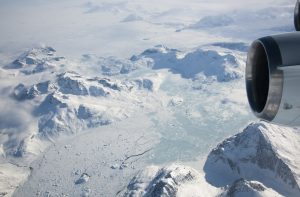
pixel 244 188
pixel 71 83
pixel 37 60
pixel 161 182
pixel 113 66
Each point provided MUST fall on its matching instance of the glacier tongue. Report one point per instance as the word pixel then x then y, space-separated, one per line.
pixel 62 103
pixel 174 89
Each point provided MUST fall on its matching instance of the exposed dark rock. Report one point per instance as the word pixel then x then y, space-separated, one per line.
pixel 165 182
pixel 241 186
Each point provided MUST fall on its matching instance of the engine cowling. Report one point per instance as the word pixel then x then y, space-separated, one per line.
pixel 273 76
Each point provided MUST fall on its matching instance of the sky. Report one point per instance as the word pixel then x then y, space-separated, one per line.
pixel 76 27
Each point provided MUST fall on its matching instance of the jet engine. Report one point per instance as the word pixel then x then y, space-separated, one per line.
pixel 273 76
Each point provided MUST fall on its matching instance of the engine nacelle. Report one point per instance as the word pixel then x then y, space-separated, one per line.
pixel 273 76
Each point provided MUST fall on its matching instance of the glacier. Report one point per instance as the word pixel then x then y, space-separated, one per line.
pixel 65 104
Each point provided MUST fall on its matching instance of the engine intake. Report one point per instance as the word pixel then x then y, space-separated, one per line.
pixel 273 78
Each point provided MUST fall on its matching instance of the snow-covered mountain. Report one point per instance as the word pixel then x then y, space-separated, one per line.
pixel 259 161
pixel 61 102
pixel 262 152
pixel 37 60
pixel 262 160
pixel 244 188
pixel 65 104
pixel 222 66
